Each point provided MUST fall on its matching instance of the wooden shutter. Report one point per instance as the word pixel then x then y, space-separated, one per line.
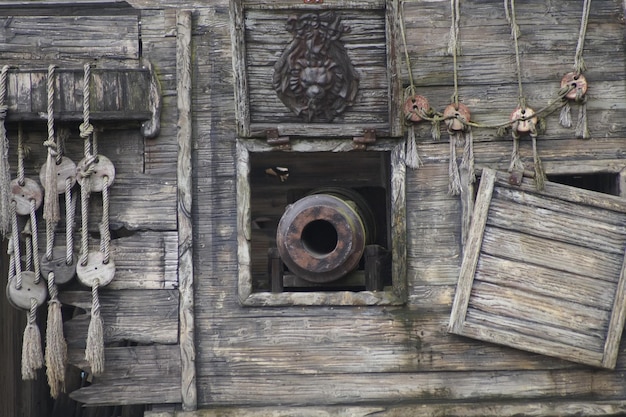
pixel 543 271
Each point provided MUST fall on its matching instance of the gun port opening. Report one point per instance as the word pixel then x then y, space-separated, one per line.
pixel 319 238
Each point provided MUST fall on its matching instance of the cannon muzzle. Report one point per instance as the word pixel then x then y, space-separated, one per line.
pixel 322 236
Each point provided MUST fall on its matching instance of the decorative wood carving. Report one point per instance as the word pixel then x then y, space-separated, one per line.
pixel 314 76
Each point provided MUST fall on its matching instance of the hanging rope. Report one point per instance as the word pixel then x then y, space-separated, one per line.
pixel 577 80
pixel 413 102
pixel 5 174
pixel 579 62
pixel 523 119
pixel 51 205
pixel 95 269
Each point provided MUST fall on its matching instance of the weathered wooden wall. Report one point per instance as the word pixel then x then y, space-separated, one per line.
pixel 140 306
pixel 392 360
pixel 322 356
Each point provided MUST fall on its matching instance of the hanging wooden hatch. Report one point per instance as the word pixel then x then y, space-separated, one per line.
pixel 543 271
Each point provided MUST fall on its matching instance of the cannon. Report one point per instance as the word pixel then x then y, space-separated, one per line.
pixel 323 236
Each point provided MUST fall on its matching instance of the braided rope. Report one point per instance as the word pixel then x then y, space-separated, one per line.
pixel 406 50
pixel 70 213
pixel 20 155
pixel 28 257
pixel 52 288
pixel 50 143
pixel 11 260
pixel 35 240
pixel 16 247
pixel 95 299
pixel 32 312
pixel 105 232
pixel 5 174
pixel 84 211
pixel 454 47
pixel 86 129
pixel 579 62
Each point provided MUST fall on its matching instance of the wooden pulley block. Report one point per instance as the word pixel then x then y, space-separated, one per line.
pixel 63 272
pixel 96 171
pixel 23 194
pixel 456 116
pixel 578 82
pixel 524 119
pixel 96 269
pixel 30 289
pixel 414 106
pixel 66 169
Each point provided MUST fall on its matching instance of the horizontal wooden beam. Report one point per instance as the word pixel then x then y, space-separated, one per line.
pixel 114 95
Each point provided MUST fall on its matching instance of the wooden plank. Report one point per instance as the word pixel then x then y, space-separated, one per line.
pixel 134 375
pixel 508 303
pixel 229 390
pixel 545 281
pixel 242 101
pixel 550 224
pixel 505 336
pixel 472 248
pixel 616 323
pixel 145 260
pixel 562 408
pixel 552 254
pixel 143 316
pixel 46 37
pixel 185 201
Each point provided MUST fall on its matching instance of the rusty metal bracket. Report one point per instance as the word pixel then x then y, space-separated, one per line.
pixel 277 141
pixel 369 137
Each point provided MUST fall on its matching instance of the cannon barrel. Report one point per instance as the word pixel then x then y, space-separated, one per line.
pixel 322 236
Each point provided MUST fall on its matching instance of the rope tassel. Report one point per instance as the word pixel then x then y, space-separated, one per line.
pixel 582 128
pixel 454 176
pixel 412 159
pixel 56 347
pixel 94 352
pixel 32 352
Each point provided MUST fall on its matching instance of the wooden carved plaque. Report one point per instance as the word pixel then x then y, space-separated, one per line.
pixel 314 76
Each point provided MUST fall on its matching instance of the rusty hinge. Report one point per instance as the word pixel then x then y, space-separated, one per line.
pixel 369 136
pixel 313 1
pixel 278 142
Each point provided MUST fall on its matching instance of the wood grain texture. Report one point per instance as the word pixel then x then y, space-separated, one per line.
pixel 185 201
pixel 134 375
pixel 546 234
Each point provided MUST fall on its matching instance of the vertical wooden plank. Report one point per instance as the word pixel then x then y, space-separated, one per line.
pixel 38 91
pixel 616 322
pixel 398 222
pixel 23 92
pixel 185 201
pixel 244 231
pixel 242 101
pixel 393 69
pixel 472 250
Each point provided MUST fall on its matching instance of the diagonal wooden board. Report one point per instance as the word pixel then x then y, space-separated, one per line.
pixel 543 271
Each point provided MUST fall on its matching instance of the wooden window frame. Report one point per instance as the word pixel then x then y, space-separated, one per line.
pixel 396 295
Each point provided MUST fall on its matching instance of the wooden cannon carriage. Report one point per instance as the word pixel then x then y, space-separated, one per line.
pixel 312 208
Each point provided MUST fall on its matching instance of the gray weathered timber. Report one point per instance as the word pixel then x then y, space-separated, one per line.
pixel 586 244
pixel 127 370
pixel 185 202
pixel 127 316
pixel 303 360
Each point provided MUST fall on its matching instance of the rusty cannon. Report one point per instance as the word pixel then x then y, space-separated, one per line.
pixel 323 236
